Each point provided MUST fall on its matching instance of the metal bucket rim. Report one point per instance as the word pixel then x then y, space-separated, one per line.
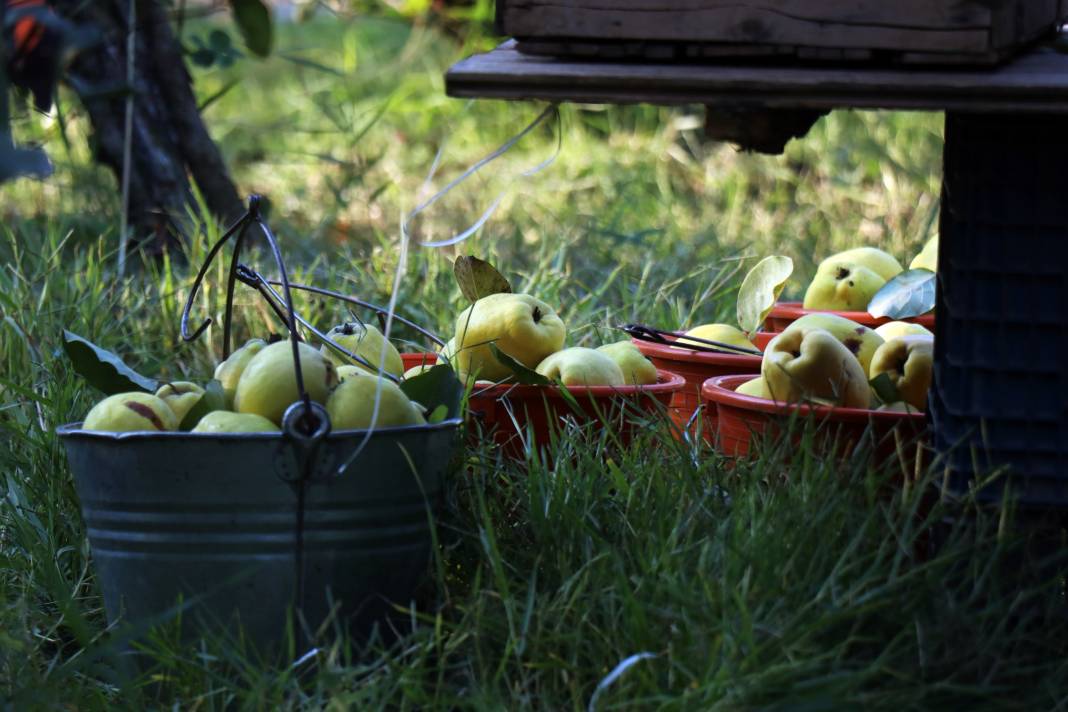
pixel 74 430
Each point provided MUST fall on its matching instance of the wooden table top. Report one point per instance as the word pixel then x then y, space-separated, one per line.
pixel 1034 82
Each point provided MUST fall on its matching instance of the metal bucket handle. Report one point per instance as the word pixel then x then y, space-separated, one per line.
pixel 281 304
pixel 305 423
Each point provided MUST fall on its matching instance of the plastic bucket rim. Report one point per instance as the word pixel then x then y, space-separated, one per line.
pixel 720 390
pixel 672 382
pixel 794 311
pixel 671 353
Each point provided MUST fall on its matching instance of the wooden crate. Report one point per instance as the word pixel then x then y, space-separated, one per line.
pixel 909 31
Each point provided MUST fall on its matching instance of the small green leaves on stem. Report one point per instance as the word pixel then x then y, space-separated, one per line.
pixel 102 369
pixel 909 294
pixel 253 18
pixel 523 375
pixel 438 390
pixel 478 278
pixel 760 288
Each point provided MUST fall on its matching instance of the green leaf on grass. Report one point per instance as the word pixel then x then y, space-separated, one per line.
pixel 214 398
pixel 436 388
pixel 253 18
pixel 909 294
pixel 478 278
pixel 884 388
pixel 760 288
pixel 102 369
pixel 524 375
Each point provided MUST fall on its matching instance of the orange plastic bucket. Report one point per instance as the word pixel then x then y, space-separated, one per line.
pixel 419 359
pixel 514 414
pixel 785 313
pixel 742 421
pixel 696 367
pixel 508 411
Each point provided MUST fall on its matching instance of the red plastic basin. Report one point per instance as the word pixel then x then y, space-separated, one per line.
pixel 742 421
pixel 507 412
pixel 512 414
pixel 419 359
pixel 785 313
pixel 696 367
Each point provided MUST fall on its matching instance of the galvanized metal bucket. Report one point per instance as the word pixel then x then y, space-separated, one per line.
pixel 214 520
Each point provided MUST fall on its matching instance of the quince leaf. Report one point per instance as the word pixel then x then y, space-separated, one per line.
pixel 213 398
pixel 478 278
pixel 253 19
pixel 434 388
pixel 102 369
pixel 524 375
pixel 884 388
pixel 909 294
pixel 760 288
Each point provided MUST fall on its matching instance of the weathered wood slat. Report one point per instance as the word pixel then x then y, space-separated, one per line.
pixel 1034 82
pixel 980 31
pixel 923 14
pixel 743 25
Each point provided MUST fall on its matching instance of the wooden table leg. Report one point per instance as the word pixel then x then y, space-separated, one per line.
pixel 1000 394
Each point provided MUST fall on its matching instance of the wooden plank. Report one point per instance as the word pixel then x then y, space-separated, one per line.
pixel 923 14
pixel 965 30
pixel 1035 82
pixel 724 21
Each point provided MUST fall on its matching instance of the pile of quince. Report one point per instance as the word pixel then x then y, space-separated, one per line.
pixel 826 359
pixel 504 332
pixel 254 386
pixel 848 280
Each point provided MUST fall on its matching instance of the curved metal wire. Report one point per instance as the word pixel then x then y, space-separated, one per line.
pixel 254 279
pixel 366 305
pixel 240 227
pixel 659 336
pixel 240 224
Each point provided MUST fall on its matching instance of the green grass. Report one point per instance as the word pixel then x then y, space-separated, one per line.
pixel 787 582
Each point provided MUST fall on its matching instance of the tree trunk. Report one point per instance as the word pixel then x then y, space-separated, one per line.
pixel 170 143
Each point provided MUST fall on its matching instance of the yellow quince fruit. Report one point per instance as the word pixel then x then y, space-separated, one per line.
pixel 351 404
pixel 814 366
pixel 181 396
pixel 637 370
pixel 861 340
pixel 130 412
pixel 723 333
pixel 367 342
pixel 927 257
pixel 894 329
pixel 842 285
pixel 580 366
pixel 755 387
pixel 878 261
pixel 228 373
pixel 225 421
pixel 520 325
pixel 269 383
pixel 909 362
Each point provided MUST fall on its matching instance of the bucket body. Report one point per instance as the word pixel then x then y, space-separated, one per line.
pixel 696 367
pixel 212 520
pixel 785 313
pixel 516 416
pixel 743 421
